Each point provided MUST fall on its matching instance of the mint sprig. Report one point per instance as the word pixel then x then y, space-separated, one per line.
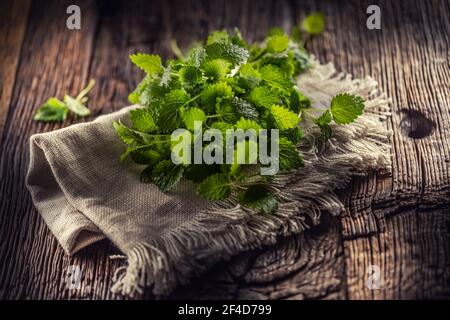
pixel 55 110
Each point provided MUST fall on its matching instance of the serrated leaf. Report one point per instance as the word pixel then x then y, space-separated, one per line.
pixel 297 101
pixel 191 115
pixel 263 97
pixel 127 135
pixel 314 23
pixel 222 126
pixel 143 120
pixel 260 199
pixel 216 70
pixel 295 134
pixel 215 187
pixel 276 78
pixel 288 155
pixel 245 124
pixel 145 156
pixel 134 96
pixel 53 110
pixel 346 107
pixel 190 76
pixel 166 175
pixel 130 136
pixel 213 91
pixel 324 118
pixel 217 36
pixel 277 43
pixel 225 110
pixel 169 117
pixel 227 51
pixel 244 108
pixel 324 124
pixel 283 118
pixel 250 75
pixel 149 63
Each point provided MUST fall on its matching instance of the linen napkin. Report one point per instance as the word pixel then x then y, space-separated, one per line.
pixel 84 194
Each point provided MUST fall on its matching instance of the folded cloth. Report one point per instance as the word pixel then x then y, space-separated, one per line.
pixel 84 194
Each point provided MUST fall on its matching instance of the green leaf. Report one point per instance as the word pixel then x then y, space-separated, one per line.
pixel 325 118
pixel 216 70
pixel 276 31
pixel 295 134
pixel 213 91
pixel 133 97
pixel 260 199
pixel 244 108
pixel 283 118
pixel 276 78
pixel 143 120
pixel 314 23
pixel 346 107
pixel 130 136
pixel 222 126
pixel 324 124
pixel 225 110
pixel 227 51
pixel 149 63
pixel 76 106
pixel 218 36
pixel 190 76
pixel 127 135
pixel 297 101
pixel 197 56
pixel 277 43
pixel 169 115
pixel 263 97
pixel 191 115
pixel 245 124
pixel 289 156
pixel 146 174
pixel 198 172
pixel 250 75
pixel 147 156
pixel 166 175
pixel 53 110
pixel 215 187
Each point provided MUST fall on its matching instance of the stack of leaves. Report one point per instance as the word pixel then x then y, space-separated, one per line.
pixel 226 84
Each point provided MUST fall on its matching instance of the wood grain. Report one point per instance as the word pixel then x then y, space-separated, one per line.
pixel 13 18
pixel 397 221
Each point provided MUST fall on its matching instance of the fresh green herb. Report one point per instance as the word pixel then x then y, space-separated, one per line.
pixel 344 109
pixel 55 110
pixel 314 23
pixel 225 83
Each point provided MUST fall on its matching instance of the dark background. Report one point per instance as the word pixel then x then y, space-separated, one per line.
pixel 400 221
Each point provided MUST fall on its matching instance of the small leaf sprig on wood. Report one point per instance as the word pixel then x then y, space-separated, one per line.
pixel 55 110
pixel 225 83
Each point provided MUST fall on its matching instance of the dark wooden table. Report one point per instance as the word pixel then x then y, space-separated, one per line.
pixel 399 222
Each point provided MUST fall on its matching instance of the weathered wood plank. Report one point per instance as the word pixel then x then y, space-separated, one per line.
pixel 53 61
pixel 412 257
pixel 409 57
pixel 13 20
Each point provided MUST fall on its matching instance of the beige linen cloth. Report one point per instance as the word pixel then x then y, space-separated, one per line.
pixel 84 194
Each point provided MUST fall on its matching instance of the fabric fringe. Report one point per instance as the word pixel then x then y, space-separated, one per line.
pixel 226 228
